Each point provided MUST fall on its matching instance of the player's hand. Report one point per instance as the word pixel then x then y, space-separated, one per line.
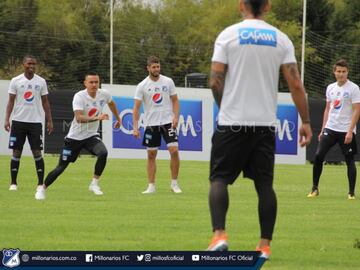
pixel 117 124
pixel 348 137
pixel 103 116
pixel 175 122
pixel 136 133
pixel 7 125
pixel 50 127
pixel 305 135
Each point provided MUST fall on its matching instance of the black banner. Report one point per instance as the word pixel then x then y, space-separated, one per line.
pixel 244 259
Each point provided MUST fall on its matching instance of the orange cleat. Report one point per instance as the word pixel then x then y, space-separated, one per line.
pixel 218 243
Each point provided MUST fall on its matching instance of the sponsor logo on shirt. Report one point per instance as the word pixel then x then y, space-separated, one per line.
pixel 261 37
pixel 337 104
pixel 93 112
pixel 157 98
pixel 29 96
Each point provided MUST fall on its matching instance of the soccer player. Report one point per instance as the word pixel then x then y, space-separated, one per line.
pixel 244 80
pixel 28 95
pixel 88 105
pixel 161 105
pixel 339 126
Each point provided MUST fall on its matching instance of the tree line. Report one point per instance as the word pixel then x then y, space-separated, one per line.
pixel 71 37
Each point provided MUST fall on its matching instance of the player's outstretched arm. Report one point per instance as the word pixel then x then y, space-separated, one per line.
pixel 136 117
pixel 217 80
pixel 81 118
pixel 46 106
pixel 115 112
pixel 9 109
pixel 176 109
pixel 292 76
pixel 354 120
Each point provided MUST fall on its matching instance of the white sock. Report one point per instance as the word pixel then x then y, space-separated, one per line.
pixel 95 182
pixel 151 185
pixel 174 182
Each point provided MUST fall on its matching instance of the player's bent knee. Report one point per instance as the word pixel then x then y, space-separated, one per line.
pixel 102 154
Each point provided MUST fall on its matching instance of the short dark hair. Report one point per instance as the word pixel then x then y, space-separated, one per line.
pixel 28 56
pixel 341 63
pixel 91 73
pixel 256 6
pixel 152 59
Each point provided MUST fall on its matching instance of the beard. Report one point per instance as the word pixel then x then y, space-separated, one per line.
pixel 155 75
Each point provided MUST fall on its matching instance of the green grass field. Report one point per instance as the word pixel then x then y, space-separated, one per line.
pixel 315 233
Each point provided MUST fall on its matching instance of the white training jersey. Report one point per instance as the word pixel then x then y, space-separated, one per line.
pixel 28 105
pixel 253 51
pixel 90 107
pixel 341 99
pixel 156 99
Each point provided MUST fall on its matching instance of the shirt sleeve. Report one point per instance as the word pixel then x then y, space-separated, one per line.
pixel 78 105
pixel 289 56
pixel 172 89
pixel 328 94
pixel 355 98
pixel 220 54
pixel 44 89
pixel 108 96
pixel 139 93
pixel 12 88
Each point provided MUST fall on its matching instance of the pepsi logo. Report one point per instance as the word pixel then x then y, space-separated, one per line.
pixel 29 96
pixel 157 98
pixel 337 104
pixel 93 112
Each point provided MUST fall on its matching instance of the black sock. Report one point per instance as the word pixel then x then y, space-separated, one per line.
pixel 219 204
pixel 351 173
pixel 39 164
pixel 14 168
pixel 267 209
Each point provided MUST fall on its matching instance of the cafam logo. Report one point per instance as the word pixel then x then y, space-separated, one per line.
pixel 185 125
pixel 264 37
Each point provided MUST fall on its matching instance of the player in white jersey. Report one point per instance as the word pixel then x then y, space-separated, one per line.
pixel 88 105
pixel 161 105
pixel 339 126
pixel 244 81
pixel 28 97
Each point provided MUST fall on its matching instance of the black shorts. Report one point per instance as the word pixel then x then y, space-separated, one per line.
pixel 21 130
pixel 240 148
pixel 330 137
pixel 72 148
pixel 152 136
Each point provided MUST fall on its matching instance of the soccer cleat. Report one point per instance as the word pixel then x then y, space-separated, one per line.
pixel 149 190
pixel 314 193
pixel 40 193
pixel 175 188
pixel 218 243
pixel 265 252
pixel 351 196
pixel 13 187
pixel 96 189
